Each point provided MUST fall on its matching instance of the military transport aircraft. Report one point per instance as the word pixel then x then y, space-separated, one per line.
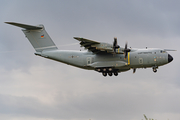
pixel 102 57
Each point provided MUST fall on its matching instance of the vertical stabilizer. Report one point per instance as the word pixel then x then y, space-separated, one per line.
pixel 37 36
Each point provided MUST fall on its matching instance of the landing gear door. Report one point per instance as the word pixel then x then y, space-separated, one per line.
pixel 140 60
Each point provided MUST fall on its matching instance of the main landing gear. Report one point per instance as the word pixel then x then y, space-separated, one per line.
pixel 109 73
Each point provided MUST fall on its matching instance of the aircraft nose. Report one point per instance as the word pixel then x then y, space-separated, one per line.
pixel 170 58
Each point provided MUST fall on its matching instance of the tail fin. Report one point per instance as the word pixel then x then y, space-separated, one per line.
pixel 37 36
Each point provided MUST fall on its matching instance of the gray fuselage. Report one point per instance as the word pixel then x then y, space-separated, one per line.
pixel 137 58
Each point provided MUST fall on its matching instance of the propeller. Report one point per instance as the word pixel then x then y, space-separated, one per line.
pixel 115 45
pixel 126 50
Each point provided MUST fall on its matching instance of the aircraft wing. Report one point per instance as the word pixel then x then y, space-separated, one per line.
pixel 95 47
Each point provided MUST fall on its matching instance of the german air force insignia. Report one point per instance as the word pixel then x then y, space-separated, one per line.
pixel 42 36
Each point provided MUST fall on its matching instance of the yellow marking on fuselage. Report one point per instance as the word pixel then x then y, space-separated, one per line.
pixel 128 58
pixel 118 50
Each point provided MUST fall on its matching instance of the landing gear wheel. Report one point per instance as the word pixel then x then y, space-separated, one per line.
pixel 104 74
pixel 116 73
pixel 154 70
pixel 110 73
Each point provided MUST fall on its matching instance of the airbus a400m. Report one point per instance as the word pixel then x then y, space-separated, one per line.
pixel 104 58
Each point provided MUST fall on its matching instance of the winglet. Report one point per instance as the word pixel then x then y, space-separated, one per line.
pixel 28 27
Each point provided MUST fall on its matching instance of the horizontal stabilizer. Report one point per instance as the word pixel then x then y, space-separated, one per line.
pixel 169 50
pixel 28 27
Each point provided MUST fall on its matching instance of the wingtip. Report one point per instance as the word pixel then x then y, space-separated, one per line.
pixel 11 23
pixel 77 38
pixel 7 22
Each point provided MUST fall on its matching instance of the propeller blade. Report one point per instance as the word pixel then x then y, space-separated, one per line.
pixel 115 42
pixel 115 45
pixel 125 55
pixel 126 50
pixel 126 46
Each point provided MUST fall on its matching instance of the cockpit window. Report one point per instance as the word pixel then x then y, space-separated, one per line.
pixel 162 51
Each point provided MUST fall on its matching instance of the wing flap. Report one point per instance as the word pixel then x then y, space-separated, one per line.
pixel 83 40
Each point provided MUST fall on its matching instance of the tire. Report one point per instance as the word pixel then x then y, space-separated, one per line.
pixel 110 73
pixel 116 73
pixel 104 74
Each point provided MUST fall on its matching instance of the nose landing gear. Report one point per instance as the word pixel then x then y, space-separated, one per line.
pixel 155 69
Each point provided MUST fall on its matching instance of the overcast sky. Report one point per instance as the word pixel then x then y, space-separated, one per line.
pixel 35 88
